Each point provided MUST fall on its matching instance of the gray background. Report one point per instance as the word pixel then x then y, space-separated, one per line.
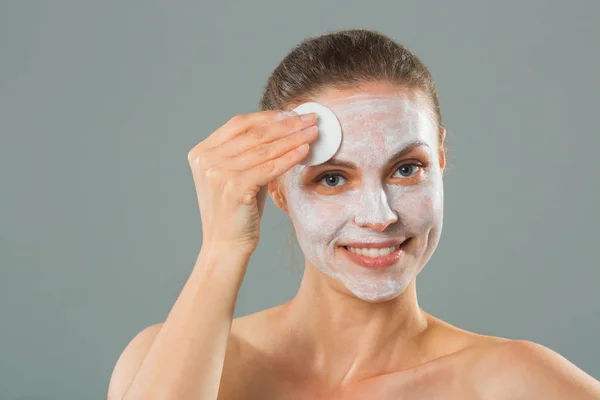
pixel 101 101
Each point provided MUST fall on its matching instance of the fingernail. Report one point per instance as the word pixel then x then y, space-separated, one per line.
pixel 308 117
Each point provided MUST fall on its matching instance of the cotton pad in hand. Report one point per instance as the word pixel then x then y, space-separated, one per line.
pixel 329 137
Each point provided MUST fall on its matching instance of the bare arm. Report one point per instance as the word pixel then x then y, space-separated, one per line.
pixel 183 358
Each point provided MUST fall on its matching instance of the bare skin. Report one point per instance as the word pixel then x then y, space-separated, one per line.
pixel 426 358
pixel 328 344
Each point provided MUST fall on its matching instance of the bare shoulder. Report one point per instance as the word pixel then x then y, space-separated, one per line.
pixel 241 358
pixel 521 369
pixel 498 368
pixel 130 360
pixel 501 368
pixel 249 359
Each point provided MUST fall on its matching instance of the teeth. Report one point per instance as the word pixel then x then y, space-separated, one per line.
pixel 373 252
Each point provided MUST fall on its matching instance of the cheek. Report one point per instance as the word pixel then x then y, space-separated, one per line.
pixel 317 220
pixel 419 208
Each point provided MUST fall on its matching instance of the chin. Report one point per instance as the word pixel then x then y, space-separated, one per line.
pixel 378 298
pixel 372 292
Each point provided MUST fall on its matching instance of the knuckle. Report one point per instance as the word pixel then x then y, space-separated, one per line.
pixel 267 168
pixel 263 152
pixel 192 153
pixel 290 156
pixel 213 174
pixel 197 161
pixel 230 186
pixel 195 152
pixel 259 135
pixel 290 123
pixel 203 163
pixel 238 118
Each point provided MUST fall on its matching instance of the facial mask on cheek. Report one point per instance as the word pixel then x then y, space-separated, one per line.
pixel 323 221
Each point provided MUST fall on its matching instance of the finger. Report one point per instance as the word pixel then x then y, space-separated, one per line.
pixel 271 151
pixel 266 134
pixel 239 124
pixel 264 173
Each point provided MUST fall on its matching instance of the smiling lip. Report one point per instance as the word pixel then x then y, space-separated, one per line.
pixel 378 245
pixel 377 262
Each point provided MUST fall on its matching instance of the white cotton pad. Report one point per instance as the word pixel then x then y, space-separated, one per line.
pixel 329 137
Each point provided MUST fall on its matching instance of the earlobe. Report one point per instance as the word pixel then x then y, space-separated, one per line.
pixel 442 159
pixel 443 150
pixel 274 190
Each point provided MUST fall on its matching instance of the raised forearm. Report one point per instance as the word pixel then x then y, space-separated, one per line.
pixel 186 359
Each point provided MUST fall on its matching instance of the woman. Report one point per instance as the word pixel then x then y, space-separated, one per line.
pixel 367 220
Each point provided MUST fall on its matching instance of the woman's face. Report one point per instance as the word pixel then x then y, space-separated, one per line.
pixel 390 187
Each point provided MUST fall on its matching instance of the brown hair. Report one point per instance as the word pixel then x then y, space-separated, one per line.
pixel 348 58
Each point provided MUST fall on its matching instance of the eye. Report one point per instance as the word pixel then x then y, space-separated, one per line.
pixel 331 179
pixel 406 169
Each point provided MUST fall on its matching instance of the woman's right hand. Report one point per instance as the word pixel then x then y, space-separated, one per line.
pixel 232 167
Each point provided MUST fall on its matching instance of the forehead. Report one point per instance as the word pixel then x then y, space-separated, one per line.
pixel 380 124
pixel 374 104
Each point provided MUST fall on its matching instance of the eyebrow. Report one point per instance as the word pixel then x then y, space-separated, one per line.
pixel 405 150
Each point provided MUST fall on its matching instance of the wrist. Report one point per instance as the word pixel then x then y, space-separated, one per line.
pixel 222 263
pixel 215 251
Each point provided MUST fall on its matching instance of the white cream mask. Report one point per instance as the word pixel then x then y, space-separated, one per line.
pixel 376 201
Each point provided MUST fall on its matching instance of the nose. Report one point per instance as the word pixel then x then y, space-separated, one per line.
pixel 375 212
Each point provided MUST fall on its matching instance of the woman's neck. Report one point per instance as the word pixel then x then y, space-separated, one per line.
pixel 344 339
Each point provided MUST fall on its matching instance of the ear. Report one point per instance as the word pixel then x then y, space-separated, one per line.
pixel 276 192
pixel 443 150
